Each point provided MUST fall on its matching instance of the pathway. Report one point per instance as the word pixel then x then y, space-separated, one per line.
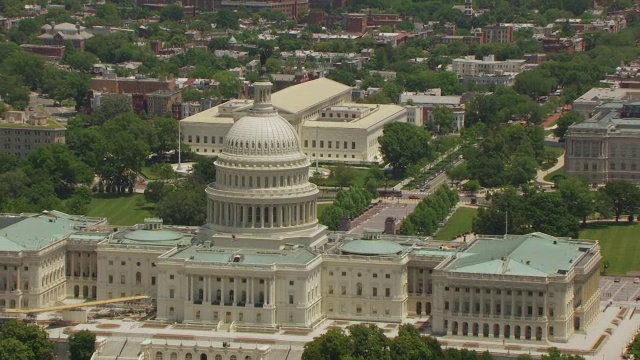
pixel 542 173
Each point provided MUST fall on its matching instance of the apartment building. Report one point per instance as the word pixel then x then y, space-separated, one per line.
pixel 20 134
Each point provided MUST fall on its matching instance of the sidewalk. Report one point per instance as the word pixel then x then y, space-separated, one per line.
pixel 542 173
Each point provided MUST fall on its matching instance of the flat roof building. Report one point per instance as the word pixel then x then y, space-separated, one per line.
pixel 20 134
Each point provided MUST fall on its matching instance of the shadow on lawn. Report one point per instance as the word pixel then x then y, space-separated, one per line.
pixel 605 224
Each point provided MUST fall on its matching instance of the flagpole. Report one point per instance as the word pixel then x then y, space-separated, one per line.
pixel 179 148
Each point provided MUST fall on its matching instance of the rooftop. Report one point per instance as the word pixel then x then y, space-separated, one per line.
pixel 205 253
pixel 51 124
pixel 534 254
pixel 37 231
pixel 377 114
pixel 372 247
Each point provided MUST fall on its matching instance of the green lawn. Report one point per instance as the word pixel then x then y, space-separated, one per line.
pixel 619 244
pixel 119 209
pixel 549 176
pixel 459 223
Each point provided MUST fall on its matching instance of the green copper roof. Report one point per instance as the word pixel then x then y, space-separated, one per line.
pixel 372 247
pixel 36 231
pixel 534 254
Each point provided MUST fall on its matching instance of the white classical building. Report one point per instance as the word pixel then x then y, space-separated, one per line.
pixel 488 70
pixel 262 261
pixel 331 126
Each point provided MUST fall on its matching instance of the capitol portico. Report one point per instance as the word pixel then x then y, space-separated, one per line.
pixel 262 260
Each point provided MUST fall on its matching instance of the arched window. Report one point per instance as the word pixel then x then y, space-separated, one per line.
pixel 248 357
pixel 243 181
pixel 203 356
pixel 218 357
pixel 159 355
pixel 174 356
pixel 233 357
pixel 188 356
pixel 138 278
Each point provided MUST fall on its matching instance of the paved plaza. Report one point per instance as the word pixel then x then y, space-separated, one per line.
pixel 625 290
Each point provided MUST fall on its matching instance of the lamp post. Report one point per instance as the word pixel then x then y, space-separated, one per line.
pixel 179 148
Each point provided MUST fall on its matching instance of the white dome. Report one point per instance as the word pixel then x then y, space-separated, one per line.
pixel 262 135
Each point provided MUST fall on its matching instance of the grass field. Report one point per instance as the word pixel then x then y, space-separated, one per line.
pixel 619 245
pixel 459 223
pixel 550 175
pixel 119 209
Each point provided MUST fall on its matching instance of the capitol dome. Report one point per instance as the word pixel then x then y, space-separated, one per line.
pixel 264 135
pixel 262 197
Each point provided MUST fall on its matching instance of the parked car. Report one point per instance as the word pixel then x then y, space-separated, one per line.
pixel 616 280
pixel 423 190
pixel 636 281
pixel 414 197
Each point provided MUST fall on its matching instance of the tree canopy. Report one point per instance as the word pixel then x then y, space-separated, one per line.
pixel 404 144
pixel 23 341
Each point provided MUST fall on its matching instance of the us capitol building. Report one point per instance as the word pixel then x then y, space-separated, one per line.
pixel 263 260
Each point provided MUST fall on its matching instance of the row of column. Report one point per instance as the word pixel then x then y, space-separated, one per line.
pixel 11 281
pixel 261 216
pixel 86 261
pixel 206 290
pixel 494 301
pixel 418 279
pixel 586 148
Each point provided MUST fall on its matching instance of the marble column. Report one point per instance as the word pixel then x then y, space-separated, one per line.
pixel 235 291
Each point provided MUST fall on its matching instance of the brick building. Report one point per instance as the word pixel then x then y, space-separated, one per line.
pixel 160 103
pixel 498 34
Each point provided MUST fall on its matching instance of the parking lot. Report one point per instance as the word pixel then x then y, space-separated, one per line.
pixel 625 290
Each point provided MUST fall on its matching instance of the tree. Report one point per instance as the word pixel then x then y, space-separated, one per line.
pixel 183 206
pixel 81 345
pixel 623 197
pixel 204 169
pixel 343 175
pixel 79 202
pixel 15 350
pixel 34 341
pixel 535 83
pixel 442 121
pixel 331 217
pixel 172 12
pixel 58 165
pixel 567 119
pixel 165 135
pixel 227 19
pixel 578 197
pixel 112 106
pixel 229 85
pixel 404 144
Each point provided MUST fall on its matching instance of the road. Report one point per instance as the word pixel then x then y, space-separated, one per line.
pixel 40 104
pixel 623 291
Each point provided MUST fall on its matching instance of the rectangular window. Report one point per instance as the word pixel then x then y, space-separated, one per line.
pixel 189 138
pixel 171 293
pixel 387 292
pixel 345 145
pixel 330 289
pixel 344 273
pixel 110 279
pixel 337 144
pixel 205 138
pixel 387 276
pixel 375 276
pixel 291 283
pixel 290 299
pixel 122 279
pixel 375 291
pixel 197 139
pixel 306 143
pixel 153 280
pixel 329 144
pixel 171 277
pixel 213 139
pixel 353 145
pixel 313 143
pixel 343 290
pixel 322 143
